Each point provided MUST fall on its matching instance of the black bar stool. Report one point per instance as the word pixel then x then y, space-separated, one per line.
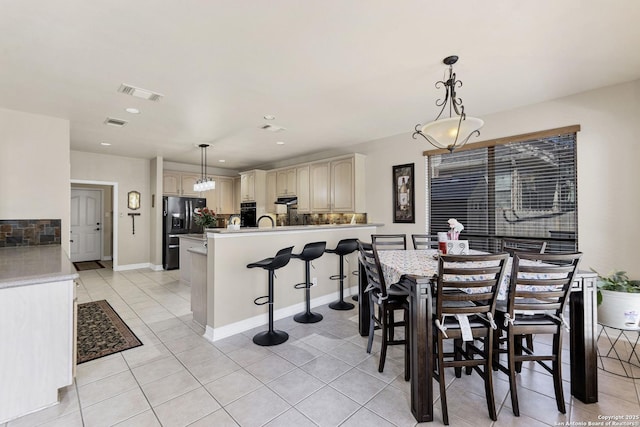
pixel 310 252
pixel 271 337
pixel 344 247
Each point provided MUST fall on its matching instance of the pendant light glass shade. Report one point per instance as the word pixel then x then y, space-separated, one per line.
pixel 205 183
pixel 454 131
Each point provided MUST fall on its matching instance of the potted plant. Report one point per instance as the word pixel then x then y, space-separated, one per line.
pixel 618 300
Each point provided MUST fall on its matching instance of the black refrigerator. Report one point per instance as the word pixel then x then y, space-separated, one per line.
pixel 178 219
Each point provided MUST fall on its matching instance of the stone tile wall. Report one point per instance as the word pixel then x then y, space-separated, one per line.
pixel 29 232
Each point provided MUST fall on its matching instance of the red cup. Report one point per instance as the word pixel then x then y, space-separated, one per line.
pixel 443 247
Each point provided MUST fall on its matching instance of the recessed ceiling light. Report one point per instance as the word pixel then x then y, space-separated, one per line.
pixel 222 160
pixel 280 142
pixel 269 117
pixel 132 110
pixel 106 144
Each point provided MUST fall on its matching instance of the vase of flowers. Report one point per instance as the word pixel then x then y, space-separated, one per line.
pixel 205 217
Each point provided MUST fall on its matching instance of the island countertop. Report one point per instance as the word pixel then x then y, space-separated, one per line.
pixel 284 228
pixel 21 266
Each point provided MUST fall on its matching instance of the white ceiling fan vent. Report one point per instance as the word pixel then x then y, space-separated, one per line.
pixel 115 122
pixel 272 128
pixel 139 93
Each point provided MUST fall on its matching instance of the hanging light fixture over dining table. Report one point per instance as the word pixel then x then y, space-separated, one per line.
pixel 452 132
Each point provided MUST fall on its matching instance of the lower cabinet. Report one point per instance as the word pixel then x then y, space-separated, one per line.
pixel 37 336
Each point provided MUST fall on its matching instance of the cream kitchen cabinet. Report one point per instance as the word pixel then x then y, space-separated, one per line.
pixel 338 185
pixel 271 178
pixel 286 182
pixel 302 188
pixel 253 188
pixel 179 184
pixel 220 199
pixel 236 195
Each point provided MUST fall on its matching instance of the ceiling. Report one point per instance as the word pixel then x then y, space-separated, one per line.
pixel 334 73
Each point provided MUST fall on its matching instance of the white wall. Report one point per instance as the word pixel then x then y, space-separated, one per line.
pixel 608 169
pixel 34 168
pixel 130 174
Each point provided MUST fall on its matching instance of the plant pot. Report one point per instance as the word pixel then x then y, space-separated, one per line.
pixel 619 309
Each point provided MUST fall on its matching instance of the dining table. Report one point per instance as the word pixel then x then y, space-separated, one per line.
pixel 414 270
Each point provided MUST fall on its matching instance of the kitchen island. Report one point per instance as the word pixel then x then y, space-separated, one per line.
pixel 232 287
pixel 37 330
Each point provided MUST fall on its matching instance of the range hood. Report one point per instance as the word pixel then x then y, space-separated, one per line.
pixel 292 200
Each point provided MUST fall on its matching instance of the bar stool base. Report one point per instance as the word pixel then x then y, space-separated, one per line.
pixel 341 305
pixel 268 338
pixel 307 317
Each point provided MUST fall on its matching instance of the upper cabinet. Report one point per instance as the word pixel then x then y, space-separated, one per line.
pixel 286 182
pixel 303 188
pixel 338 185
pixel 220 199
pixel 253 188
pixel 179 184
pixel 271 179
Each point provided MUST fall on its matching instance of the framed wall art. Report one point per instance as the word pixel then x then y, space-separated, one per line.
pixel 404 209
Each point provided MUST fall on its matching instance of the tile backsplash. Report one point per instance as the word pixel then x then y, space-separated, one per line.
pixel 29 232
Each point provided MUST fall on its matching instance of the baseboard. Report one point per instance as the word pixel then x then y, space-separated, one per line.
pixel 131 266
pixel 156 267
pixel 215 334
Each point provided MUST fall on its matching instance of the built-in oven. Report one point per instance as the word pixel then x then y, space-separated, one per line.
pixel 248 214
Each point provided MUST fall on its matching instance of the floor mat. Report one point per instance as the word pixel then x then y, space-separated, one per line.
pixel 102 332
pixel 88 265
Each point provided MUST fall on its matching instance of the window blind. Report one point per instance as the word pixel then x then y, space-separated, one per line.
pixel 524 189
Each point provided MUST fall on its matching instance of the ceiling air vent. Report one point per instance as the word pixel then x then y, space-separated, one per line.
pixel 139 93
pixel 115 122
pixel 272 128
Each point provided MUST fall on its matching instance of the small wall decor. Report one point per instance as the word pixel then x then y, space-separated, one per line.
pixel 404 209
pixel 133 200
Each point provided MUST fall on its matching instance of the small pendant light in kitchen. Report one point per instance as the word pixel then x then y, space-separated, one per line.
pixel 205 183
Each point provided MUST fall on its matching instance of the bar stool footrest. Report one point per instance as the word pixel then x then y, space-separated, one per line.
pixel 258 302
pixel 303 285
pixel 337 277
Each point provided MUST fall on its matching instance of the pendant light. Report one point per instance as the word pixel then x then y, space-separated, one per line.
pixel 204 183
pixel 454 131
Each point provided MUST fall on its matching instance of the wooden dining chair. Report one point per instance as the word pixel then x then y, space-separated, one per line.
pixel 383 303
pixel 389 241
pixel 424 241
pixel 511 245
pixel 538 292
pixel 466 292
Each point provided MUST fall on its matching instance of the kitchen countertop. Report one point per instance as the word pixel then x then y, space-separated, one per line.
pixel 287 228
pixel 193 236
pixel 22 266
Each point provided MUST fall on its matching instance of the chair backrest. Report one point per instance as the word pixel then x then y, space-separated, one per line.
pixel 511 245
pixel 469 284
pixel 541 282
pixel 389 241
pixel 369 260
pixel 281 259
pixel 424 241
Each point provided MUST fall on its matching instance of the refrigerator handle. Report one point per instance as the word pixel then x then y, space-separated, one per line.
pixel 165 207
pixel 188 214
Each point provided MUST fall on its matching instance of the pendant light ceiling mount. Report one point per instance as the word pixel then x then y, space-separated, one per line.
pixel 205 183
pixel 452 132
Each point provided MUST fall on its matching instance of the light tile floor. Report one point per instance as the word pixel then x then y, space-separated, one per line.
pixel 321 376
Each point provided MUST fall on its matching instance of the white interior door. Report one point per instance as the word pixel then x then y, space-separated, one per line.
pixel 86 224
